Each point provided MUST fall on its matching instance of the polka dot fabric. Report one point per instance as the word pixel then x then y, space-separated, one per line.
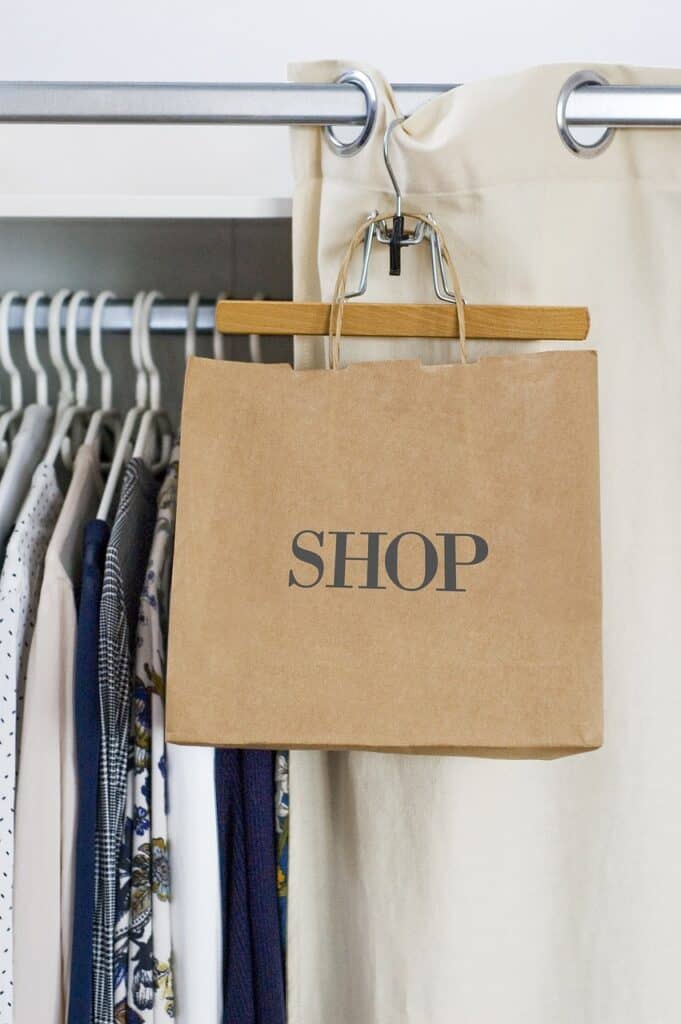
pixel 20 581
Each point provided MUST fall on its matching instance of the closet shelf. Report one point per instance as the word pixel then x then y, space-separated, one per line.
pixel 146 207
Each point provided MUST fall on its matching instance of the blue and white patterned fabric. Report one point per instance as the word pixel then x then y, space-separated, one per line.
pixel 124 570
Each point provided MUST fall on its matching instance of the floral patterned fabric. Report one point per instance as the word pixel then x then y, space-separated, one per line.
pixel 150 978
pixel 281 826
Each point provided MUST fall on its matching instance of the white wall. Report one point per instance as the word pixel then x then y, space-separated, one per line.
pixel 231 40
pixel 247 39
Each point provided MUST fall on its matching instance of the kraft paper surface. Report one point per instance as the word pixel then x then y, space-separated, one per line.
pixel 389 556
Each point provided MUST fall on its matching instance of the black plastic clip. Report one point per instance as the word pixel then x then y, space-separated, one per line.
pixel 397 237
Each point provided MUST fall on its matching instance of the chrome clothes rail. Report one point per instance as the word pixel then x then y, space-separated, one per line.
pixel 334 103
pixel 586 101
pixel 167 316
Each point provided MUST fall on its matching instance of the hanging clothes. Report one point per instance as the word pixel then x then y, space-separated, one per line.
pixel 28 448
pixel 281 812
pixel 237 955
pixel 46 789
pixel 253 976
pixel 150 972
pixel 20 582
pixel 86 714
pixel 124 570
pixel 261 859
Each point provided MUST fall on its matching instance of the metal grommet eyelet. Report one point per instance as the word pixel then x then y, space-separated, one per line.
pixel 364 83
pixel 586 149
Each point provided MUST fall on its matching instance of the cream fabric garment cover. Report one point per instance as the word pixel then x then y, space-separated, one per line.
pixel 459 891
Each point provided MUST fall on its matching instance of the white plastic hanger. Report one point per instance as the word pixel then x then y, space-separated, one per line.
pixel 10 420
pixel 62 443
pixel 66 395
pixel 218 337
pixel 155 426
pixel 254 342
pixel 105 417
pixel 134 415
pixel 190 333
pixel 77 363
pixel 41 384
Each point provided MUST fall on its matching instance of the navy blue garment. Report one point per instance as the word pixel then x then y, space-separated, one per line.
pixel 261 857
pixel 237 962
pixel 253 973
pixel 86 709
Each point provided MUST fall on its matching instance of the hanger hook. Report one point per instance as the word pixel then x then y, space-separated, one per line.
pixel 147 355
pixel 106 386
pixel 190 334
pixel 254 340
pixel 8 364
pixel 141 380
pixel 218 337
pixel 78 365
pixel 389 167
pixel 56 351
pixel 32 349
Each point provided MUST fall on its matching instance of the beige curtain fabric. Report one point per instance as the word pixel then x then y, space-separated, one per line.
pixel 461 891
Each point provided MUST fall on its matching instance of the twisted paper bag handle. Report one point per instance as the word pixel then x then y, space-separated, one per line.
pixel 338 303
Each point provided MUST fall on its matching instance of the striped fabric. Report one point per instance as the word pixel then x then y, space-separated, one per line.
pixel 86 707
pixel 124 569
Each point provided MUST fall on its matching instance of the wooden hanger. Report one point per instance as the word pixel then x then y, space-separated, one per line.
pixel 399 320
pixel 405 320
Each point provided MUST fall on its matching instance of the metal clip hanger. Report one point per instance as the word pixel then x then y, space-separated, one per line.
pixel 398 237
pixel 402 320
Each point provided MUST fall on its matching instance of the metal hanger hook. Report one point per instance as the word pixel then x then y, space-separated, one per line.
pixel 386 156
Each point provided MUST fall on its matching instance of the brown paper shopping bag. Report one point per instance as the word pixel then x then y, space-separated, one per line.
pixel 389 556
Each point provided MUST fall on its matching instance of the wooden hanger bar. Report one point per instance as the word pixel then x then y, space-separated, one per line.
pixel 405 320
